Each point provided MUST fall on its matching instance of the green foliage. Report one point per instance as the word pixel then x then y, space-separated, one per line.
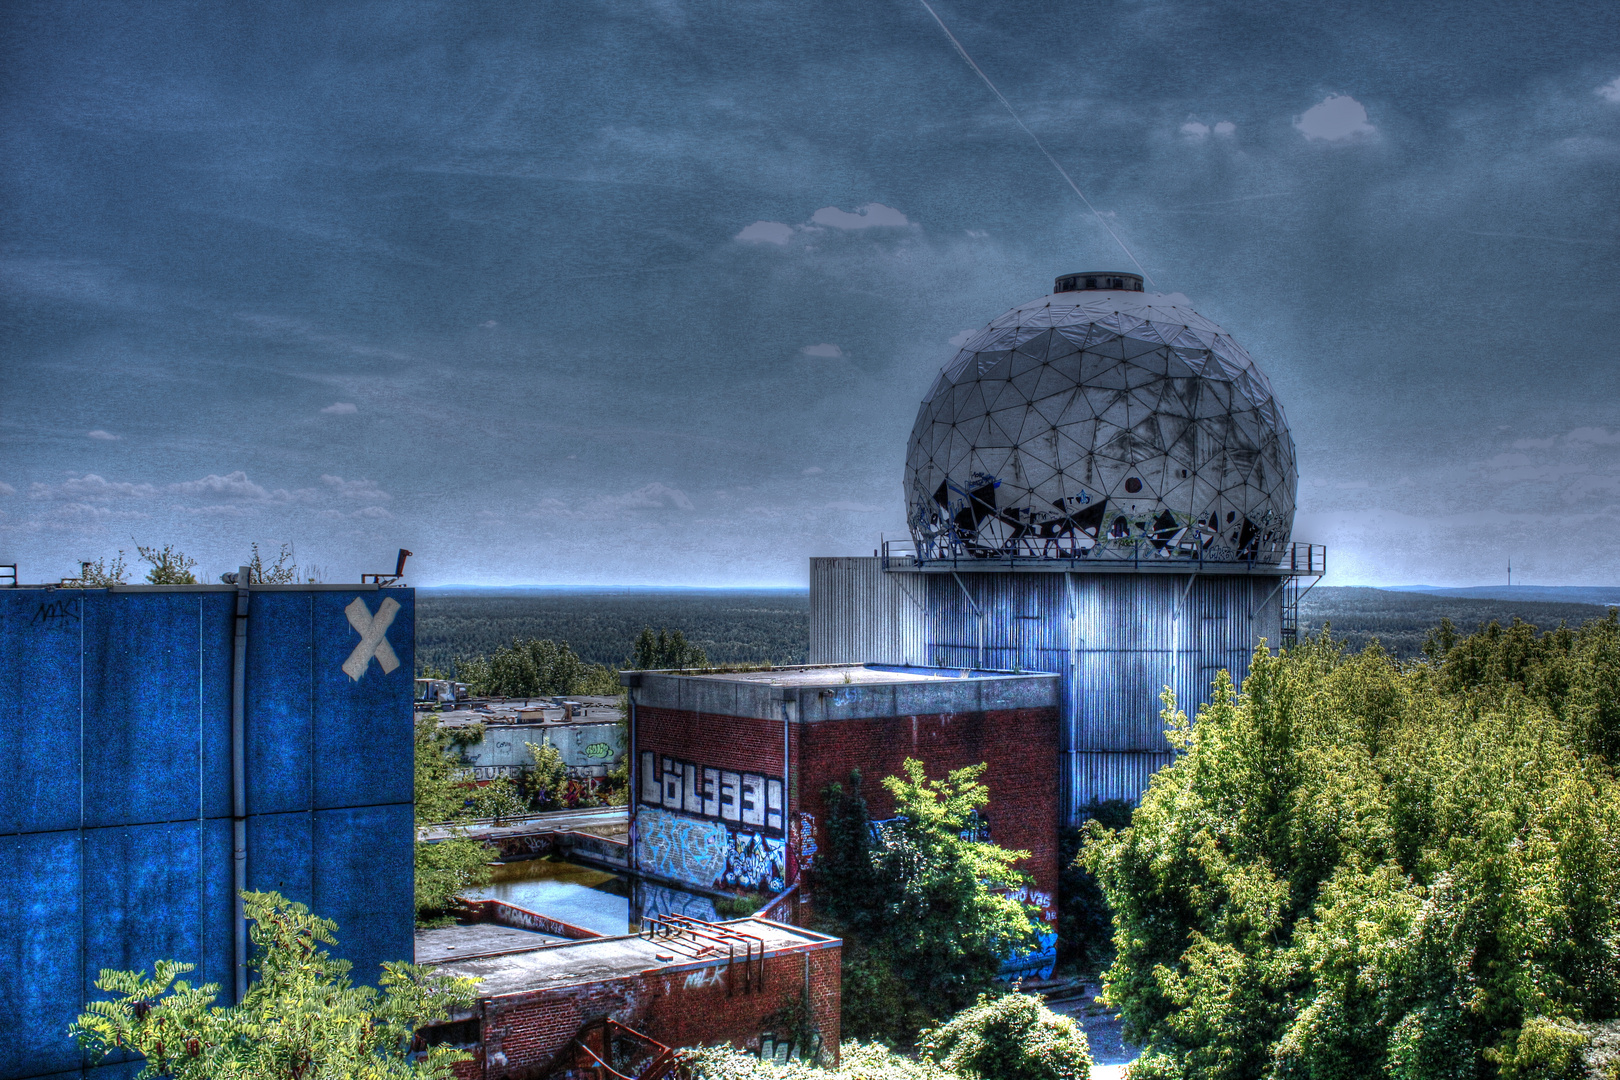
pixel 102 574
pixel 922 910
pixel 535 668
pixel 1085 925
pixel 1400 622
pixel 449 867
pixel 546 783
pixel 730 626
pixel 499 800
pixel 169 567
pixel 664 650
pixel 1363 868
pixel 1010 1037
pixel 301 1018
pixel 857 1061
pixel 281 572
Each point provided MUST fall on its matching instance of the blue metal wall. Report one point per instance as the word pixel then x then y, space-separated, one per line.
pixel 115 788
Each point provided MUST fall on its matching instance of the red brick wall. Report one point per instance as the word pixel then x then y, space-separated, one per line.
pixel 1019 746
pixel 521 1034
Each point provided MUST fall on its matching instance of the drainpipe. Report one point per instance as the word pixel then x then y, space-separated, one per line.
pixel 976 611
pixel 239 781
pixel 633 803
pixel 787 829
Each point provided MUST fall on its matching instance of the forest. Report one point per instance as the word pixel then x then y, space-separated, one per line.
pixel 735 626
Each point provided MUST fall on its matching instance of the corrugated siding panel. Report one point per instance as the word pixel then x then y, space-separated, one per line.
pixel 859 614
pixel 1104 776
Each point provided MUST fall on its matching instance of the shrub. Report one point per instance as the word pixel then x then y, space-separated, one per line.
pixel 1011 1037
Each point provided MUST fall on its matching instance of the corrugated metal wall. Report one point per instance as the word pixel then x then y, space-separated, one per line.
pixel 1117 639
pixel 115 788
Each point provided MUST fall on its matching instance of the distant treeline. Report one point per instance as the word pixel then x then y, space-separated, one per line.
pixel 731 627
pixel 1401 620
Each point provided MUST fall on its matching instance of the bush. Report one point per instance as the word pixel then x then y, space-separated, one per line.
pixel 1364 868
pixel 1011 1037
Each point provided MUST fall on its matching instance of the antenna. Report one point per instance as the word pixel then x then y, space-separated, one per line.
pixel 1510 571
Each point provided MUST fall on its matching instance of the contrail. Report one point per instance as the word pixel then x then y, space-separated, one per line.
pixel 1017 120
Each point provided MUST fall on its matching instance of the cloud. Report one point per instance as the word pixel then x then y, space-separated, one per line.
pixel 830 352
pixel 651 497
pixel 7 489
pixel 1336 118
pixel 231 488
pixel 1225 127
pixel 489 325
pixel 363 512
pixel 341 408
pixel 870 216
pixel 1610 91
pixel 1595 435
pixel 814 470
pixel 847 507
pixel 104 436
pixel 1534 444
pixel 961 339
pixel 1195 129
pixel 91 487
pixel 364 490
pixel 766 232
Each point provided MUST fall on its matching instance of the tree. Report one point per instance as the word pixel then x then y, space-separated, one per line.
pixel 547 782
pixel 665 650
pixel 281 572
pixel 857 1061
pixel 1010 1037
pixel 169 567
pixel 445 868
pixel 921 904
pixel 1363 868
pixel 537 667
pixel 101 574
pixel 302 1019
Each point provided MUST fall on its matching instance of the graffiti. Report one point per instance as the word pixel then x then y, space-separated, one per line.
pixel 1037 963
pixel 756 862
pixel 652 901
pixel 804 840
pixel 703 978
pixel 682 848
pixel 56 612
pixel 598 750
pixel 1038 899
pixel 742 798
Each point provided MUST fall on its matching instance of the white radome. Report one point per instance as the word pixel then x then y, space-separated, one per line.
pixel 1101 422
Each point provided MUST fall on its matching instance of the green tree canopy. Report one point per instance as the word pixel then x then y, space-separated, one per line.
pixel 1010 1037
pixel 302 1019
pixel 921 905
pixel 664 650
pixel 535 668
pixel 1363 868
pixel 444 868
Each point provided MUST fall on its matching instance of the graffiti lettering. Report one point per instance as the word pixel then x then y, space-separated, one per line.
pixel 756 862
pixel 741 798
pixel 598 750
pixel 804 840
pixel 55 612
pixel 703 978
pixel 652 900
pixel 682 849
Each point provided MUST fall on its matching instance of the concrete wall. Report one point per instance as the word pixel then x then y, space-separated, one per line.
pixel 679 1005
pixel 115 809
pixel 590 750
pixel 1116 640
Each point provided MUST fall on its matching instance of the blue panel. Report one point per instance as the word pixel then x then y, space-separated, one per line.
pixel 365 867
pixel 279 765
pixel 359 716
pixel 218 660
pixel 280 857
pixel 39 683
pixel 144 892
pixel 142 707
pixel 40 952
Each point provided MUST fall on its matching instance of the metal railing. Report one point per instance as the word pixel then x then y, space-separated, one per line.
pixel 1293 559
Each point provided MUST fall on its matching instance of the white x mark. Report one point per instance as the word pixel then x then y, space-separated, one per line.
pixel 373 637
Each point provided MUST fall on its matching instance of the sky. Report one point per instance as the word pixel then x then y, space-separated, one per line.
pixel 649 293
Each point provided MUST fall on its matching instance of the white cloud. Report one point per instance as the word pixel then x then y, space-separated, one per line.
pixel 1225 127
pixel 341 408
pixel 650 497
pixel 91 486
pixel 825 350
pixel 1595 435
pixel 489 325
pixel 961 339
pixel 977 234
pixel 814 470
pixel 1610 91
pixel 7 489
pixel 1534 444
pixel 1335 118
pixel 104 436
pixel 365 490
pixel 872 215
pixel 766 232
pixel 845 506
pixel 1195 129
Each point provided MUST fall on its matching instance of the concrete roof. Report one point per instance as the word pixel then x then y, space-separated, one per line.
pixel 574 963
pixel 476 939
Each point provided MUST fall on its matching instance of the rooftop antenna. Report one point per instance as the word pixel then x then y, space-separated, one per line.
pixel 1510 571
pixel 1038 144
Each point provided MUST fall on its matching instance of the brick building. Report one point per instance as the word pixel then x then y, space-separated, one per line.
pixel 728 768
pixel 678 983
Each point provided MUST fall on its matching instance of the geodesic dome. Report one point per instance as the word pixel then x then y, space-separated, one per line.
pixel 1101 422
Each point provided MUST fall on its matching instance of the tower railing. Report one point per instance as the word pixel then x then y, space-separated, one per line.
pixel 1296 560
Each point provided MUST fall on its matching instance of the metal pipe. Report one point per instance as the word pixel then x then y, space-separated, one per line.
pixel 633 780
pixel 239 781
pixel 787 831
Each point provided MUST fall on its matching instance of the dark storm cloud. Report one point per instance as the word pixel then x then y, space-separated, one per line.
pixel 628 292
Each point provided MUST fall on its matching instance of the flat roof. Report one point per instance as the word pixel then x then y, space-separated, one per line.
pixel 816 692
pixel 572 963
pixel 463 940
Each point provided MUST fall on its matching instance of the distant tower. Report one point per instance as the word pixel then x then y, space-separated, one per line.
pixel 1100 484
